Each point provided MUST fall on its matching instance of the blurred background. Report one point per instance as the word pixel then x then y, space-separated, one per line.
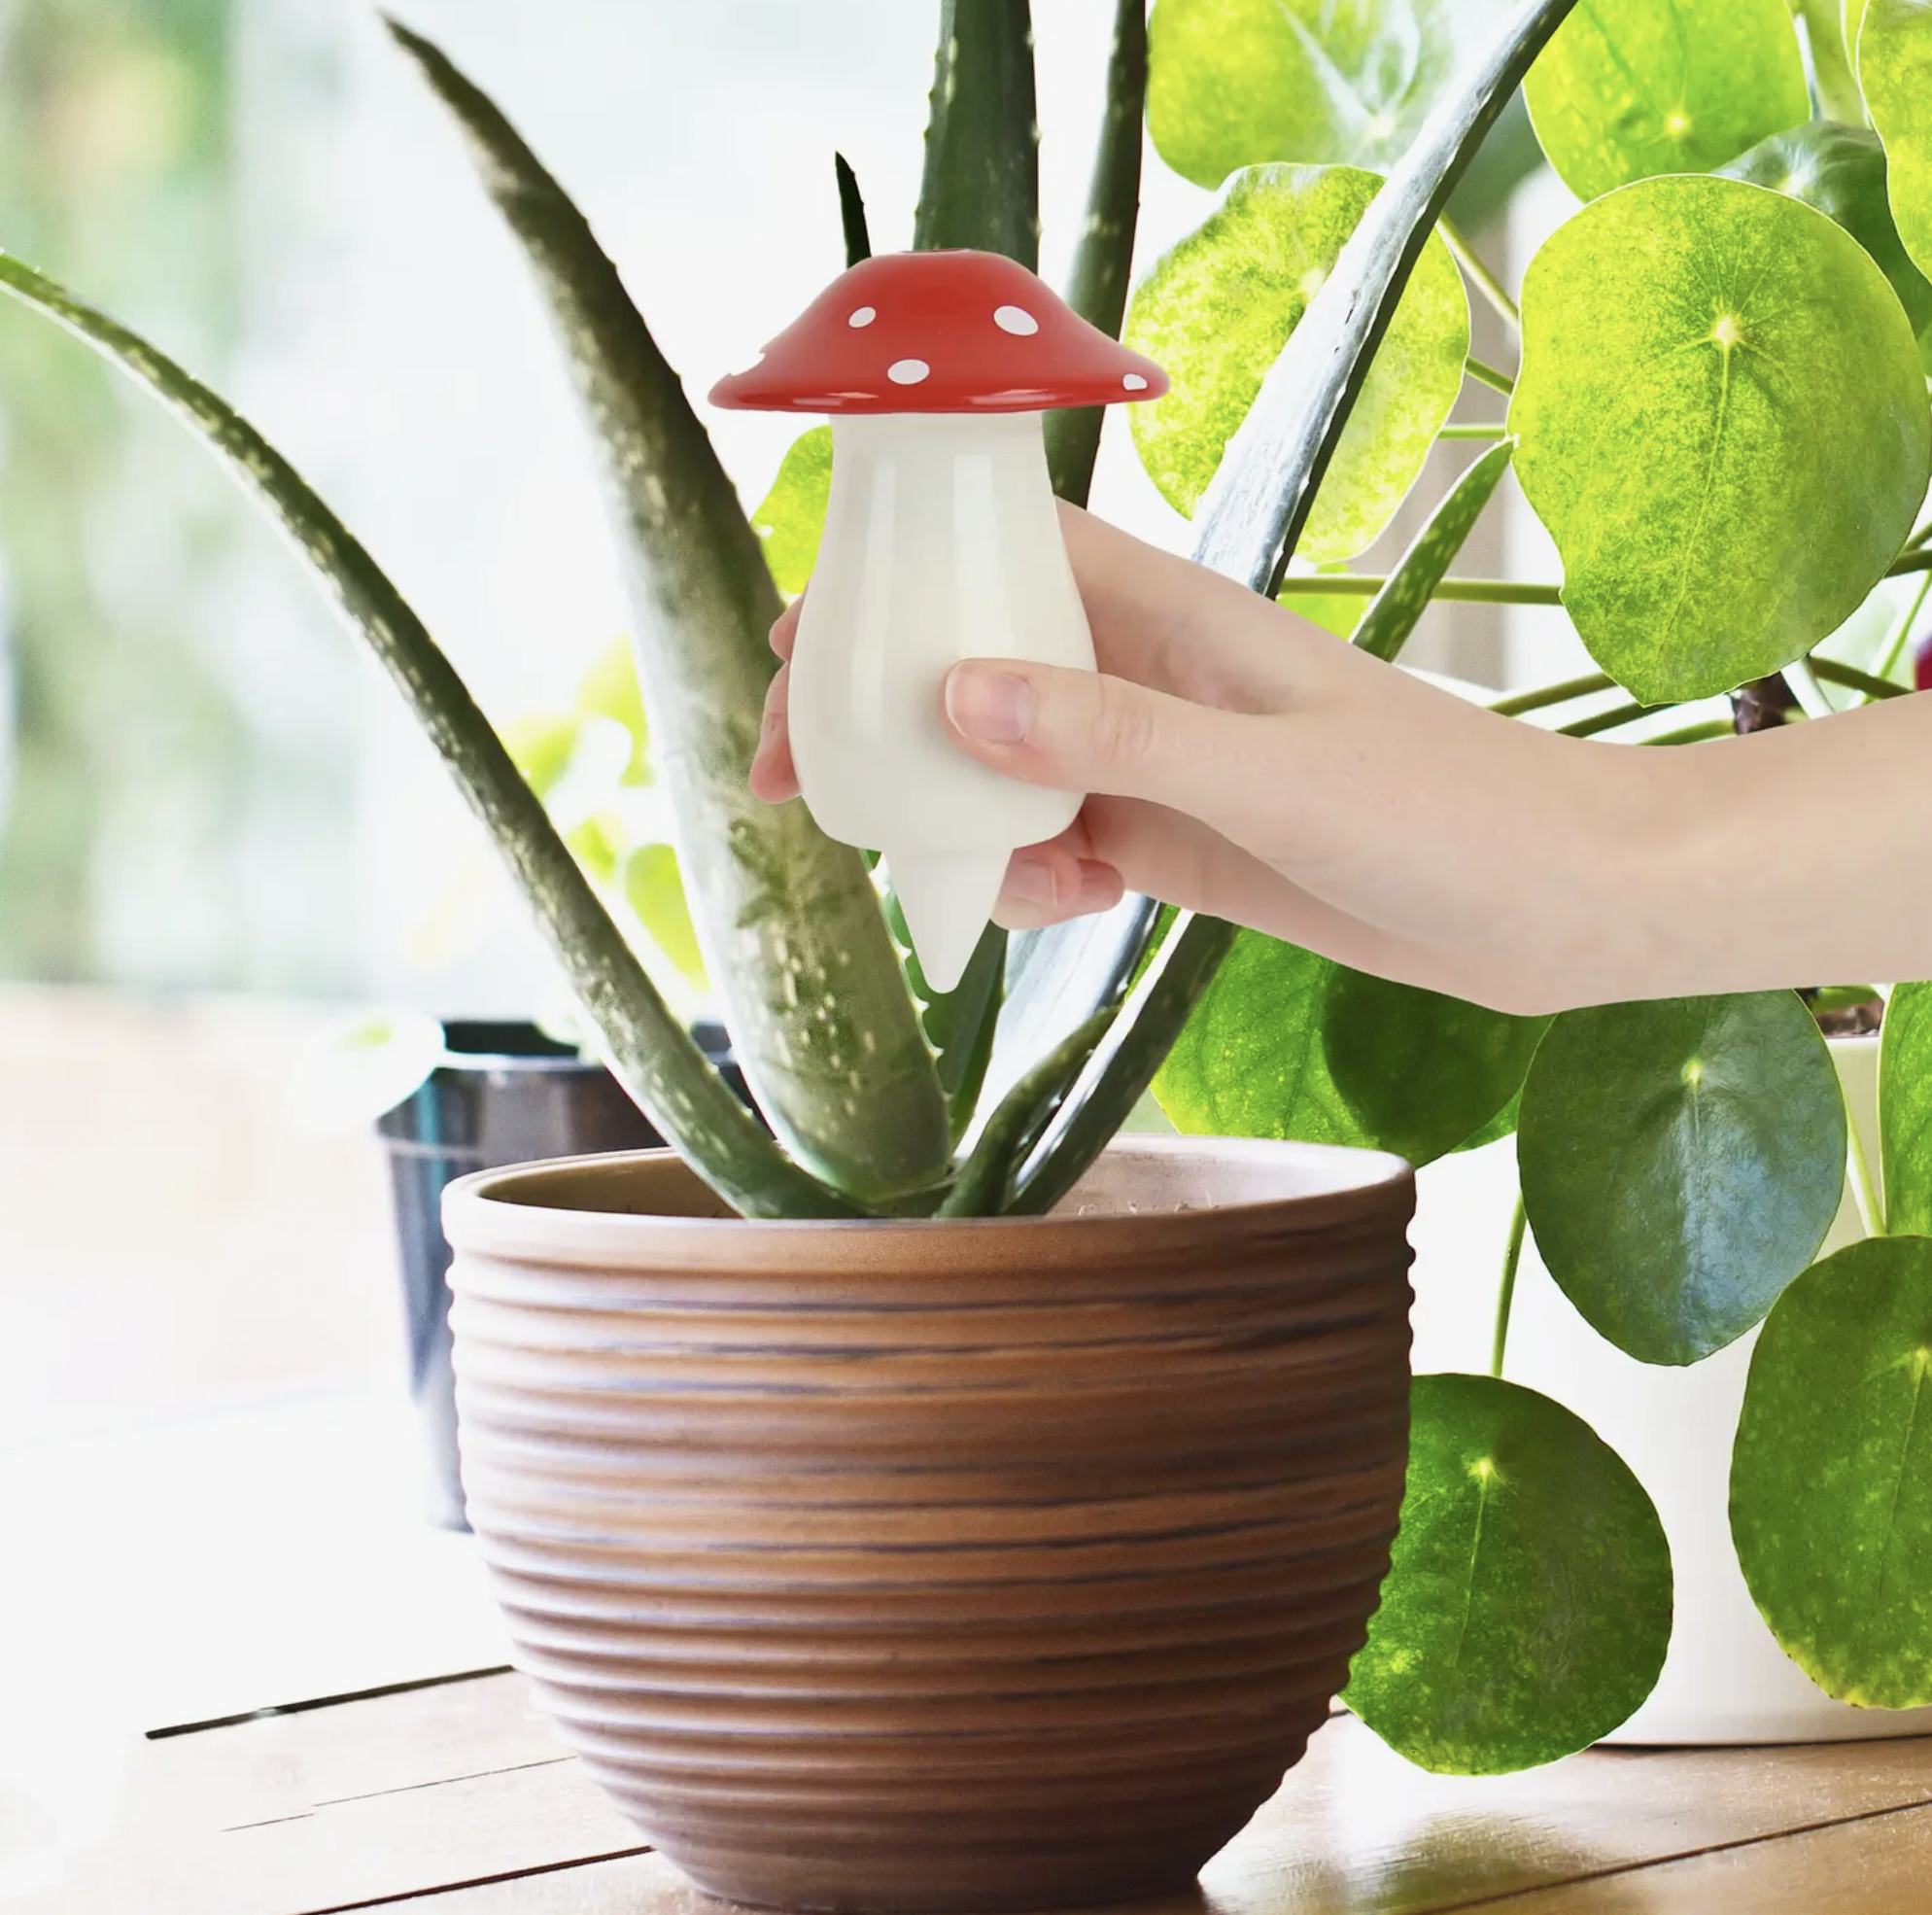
pixel 217 827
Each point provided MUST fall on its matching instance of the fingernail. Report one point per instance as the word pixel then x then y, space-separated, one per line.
pixel 985 703
pixel 1028 881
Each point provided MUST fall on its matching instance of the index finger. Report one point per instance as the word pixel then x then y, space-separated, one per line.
pixel 784 629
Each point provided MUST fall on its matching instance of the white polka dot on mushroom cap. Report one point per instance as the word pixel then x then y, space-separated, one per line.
pixel 862 316
pixel 1015 319
pixel 907 371
pixel 1133 382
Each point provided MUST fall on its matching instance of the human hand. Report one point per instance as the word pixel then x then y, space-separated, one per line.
pixel 1240 761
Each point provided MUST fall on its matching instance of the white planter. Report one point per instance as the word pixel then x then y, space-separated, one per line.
pixel 1726 1680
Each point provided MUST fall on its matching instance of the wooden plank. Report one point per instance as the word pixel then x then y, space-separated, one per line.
pixel 1881 1865
pixel 396 1798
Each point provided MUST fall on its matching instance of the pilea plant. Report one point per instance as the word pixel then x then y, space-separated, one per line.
pixel 1721 416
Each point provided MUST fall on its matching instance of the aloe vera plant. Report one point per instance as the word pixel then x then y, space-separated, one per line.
pixel 1721 416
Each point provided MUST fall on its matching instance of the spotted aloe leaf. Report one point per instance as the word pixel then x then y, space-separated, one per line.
pixel 789 922
pixel 651 1053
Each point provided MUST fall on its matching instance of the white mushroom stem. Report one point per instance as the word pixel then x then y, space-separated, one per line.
pixel 942 542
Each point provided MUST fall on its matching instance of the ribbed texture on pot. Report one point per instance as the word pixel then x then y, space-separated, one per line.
pixel 999 1565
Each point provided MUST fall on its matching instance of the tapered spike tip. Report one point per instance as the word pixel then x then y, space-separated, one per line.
pixel 946 900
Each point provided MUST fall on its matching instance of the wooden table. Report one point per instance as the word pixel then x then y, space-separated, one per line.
pixel 451 1797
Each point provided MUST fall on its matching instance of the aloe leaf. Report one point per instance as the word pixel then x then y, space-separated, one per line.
pixel 1392 614
pixel 851 212
pixel 1104 259
pixel 960 1024
pixel 819 1014
pixel 650 1052
pixel 1014 1127
pixel 1248 524
pixel 982 181
pixel 1265 486
pixel 1124 1062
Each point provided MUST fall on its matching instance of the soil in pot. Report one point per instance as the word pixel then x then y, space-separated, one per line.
pixel 990 1565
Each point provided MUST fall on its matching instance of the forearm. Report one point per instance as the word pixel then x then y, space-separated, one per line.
pixel 1791 857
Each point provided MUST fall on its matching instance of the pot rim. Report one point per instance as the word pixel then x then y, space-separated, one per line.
pixel 478 1216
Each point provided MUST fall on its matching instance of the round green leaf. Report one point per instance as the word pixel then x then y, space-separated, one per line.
pixel 1250 1061
pixel 1421 1071
pixel 1339 612
pixel 1682 1163
pixel 1840 170
pixel 1628 89
pixel 1528 1605
pixel 1287 1044
pixel 1216 310
pixel 1905 1109
pixel 655 892
pixel 1831 1478
pixel 1895 74
pixel 1721 418
pixel 792 517
pixel 1239 83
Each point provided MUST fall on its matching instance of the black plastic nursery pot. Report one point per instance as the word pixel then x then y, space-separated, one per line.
pixel 505 1094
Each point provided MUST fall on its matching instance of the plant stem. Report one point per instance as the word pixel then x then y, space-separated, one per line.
pixel 1512 1257
pixel 1863 1186
pixel 1918 559
pixel 1488 429
pixel 1480 275
pixel 1365 584
pixel 1487 375
pixel 1617 714
pixel 1902 636
pixel 1558 694
pixel 1695 734
pixel 1835 673
pixel 1813 698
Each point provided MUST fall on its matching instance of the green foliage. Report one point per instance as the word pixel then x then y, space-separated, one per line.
pixel 1840 170
pixel 1288 1044
pixel 655 894
pixel 1418 1072
pixel 1240 83
pixel 1629 88
pixel 1217 308
pixel 982 181
pixel 1895 71
pixel 1528 1606
pixel 1682 1163
pixel 791 518
pixel 1905 1107
pixel 652 1054
pixel 1395 609
pixel 822 1020
pixel 1831 1480
pixel 1727 459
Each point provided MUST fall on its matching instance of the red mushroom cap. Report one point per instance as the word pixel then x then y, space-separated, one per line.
pixel 942 332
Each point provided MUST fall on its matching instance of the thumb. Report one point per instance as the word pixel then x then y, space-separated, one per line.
pixel 1083 731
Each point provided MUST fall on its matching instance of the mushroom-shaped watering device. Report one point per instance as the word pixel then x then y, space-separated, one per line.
pixel 942 542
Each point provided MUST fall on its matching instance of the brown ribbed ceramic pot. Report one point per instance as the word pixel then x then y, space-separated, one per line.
pixel 921 1566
